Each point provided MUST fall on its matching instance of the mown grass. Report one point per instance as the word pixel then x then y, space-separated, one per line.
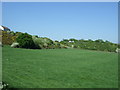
pixel 59 68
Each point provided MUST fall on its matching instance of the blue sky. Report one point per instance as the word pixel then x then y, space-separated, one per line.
pixel 63 20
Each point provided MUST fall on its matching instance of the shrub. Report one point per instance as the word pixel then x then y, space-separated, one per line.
pixel 39 42
pixel 56 44
pixel 63 46
pixel 36 42
pixel 25 41
pixel 43 42
pixel 8 38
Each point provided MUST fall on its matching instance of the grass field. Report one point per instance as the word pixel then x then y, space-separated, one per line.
pixel 59 68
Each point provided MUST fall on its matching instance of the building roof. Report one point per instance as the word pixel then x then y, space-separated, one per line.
pixel 4 28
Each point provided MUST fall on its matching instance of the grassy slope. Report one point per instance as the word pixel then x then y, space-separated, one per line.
pixel 59 68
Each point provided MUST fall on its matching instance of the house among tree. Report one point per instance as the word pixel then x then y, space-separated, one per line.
pixel 4 28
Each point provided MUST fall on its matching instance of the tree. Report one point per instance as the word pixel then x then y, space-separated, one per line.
pixel 99 41
pixel 73 40
pixel 65 40
pixel 25 41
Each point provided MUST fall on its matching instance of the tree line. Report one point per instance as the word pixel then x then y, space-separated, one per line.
pixel 25 40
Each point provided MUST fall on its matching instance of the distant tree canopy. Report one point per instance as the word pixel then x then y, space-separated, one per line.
pixel 34 42
pixel 25 41
pixel 99 44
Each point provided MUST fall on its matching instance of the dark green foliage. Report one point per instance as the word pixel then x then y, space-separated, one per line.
pixel 25 41
pixel 28 41
pixel 118 45
pixel 65 42
pixel 99 41
pixel 18 33
pixel 99 44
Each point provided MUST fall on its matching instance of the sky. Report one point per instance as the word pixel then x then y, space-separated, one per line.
pixel 63 20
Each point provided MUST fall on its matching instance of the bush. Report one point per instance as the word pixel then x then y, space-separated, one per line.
pixel 8 38
pixel 39 42
pixel 25 41
pixel 63 46
pixel 56 44
pixel 43 42
pixel 36 42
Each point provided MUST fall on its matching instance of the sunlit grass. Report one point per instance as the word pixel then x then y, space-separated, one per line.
pixel 59 68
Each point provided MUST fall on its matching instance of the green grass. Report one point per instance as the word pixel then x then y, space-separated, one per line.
pixel 59 68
